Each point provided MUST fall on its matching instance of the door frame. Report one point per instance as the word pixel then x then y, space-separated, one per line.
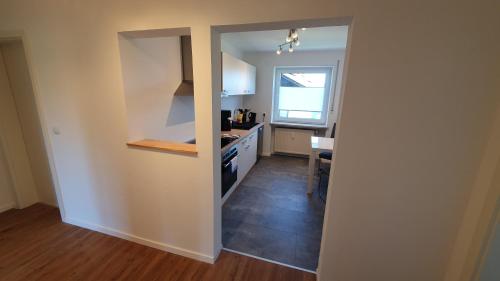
pixel 20 35
pixel 216 31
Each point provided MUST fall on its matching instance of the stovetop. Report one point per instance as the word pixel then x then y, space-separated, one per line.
pixel 227 139
pixel 244 126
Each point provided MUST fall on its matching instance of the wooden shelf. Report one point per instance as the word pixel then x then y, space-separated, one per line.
pixel 177 147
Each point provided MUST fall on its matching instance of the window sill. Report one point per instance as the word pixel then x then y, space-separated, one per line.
pixel 299 126
pixel 165 146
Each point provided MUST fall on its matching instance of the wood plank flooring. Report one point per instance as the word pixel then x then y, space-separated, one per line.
pixel 36 245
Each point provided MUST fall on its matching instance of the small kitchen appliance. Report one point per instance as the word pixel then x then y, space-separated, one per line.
pixel 225 118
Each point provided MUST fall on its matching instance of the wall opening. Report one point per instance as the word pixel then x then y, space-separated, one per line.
pixel 158 86
pixel 265 182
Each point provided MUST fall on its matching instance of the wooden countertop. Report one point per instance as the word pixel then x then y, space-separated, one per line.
pixel 167 146
pixel 242 133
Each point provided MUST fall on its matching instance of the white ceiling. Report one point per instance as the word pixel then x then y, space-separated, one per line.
pixel 318 38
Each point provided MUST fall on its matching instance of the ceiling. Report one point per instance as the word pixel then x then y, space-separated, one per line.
pixel 318 38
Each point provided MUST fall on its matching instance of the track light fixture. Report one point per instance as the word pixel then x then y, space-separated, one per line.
pixel 291 40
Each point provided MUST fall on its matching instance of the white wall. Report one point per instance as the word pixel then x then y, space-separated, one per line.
pixel 152 72
pixel 265 62
pixel 413 125
pixel 22 92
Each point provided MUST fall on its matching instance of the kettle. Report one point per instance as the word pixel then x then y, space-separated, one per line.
pixel 252 117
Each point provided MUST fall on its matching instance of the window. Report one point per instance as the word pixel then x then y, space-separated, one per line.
pixel 301 95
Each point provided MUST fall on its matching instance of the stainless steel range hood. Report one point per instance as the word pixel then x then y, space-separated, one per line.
pixel 186 87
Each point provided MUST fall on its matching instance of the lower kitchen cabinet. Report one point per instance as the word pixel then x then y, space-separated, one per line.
pixel 247 155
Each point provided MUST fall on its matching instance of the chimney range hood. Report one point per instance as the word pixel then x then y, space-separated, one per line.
pixel 186 87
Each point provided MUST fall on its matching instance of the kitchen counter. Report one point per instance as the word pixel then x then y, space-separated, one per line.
pixel 241 133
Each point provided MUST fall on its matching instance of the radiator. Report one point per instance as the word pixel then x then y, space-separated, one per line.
pixel 294 141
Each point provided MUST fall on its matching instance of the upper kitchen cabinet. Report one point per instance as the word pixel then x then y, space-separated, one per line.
pixel 238 77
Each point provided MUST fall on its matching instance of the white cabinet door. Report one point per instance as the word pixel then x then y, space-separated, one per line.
pixel 238 77
pixel 242 160
pixel 247 155
pixel 250 75
pixel 252 149
pixel 233 71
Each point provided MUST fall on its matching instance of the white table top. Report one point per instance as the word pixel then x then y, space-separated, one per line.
pixel 320 143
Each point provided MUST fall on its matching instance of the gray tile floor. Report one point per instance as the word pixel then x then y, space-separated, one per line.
pixel 269 215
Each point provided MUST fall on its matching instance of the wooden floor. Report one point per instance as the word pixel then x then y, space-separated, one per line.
pixel 36 245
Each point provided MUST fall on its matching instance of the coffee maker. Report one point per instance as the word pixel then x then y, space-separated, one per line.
pixel 225 120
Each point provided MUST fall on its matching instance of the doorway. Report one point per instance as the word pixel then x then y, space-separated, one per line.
pixel 291 91
pixel 24 162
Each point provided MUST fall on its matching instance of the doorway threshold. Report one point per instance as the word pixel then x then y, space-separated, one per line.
pixel 268 260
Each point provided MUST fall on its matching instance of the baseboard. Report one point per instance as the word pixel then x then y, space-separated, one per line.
pixel 266 154
pixel 290 154
pixel 142 241
pixel 7 206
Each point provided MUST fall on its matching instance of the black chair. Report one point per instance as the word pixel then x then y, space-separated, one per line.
pixel 325 154
pixel 325 171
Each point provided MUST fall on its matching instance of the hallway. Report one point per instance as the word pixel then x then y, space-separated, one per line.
pixel 36 245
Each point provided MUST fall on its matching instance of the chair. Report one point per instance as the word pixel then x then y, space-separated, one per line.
pixel 325 158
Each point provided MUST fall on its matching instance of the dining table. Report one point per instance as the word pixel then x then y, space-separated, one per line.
pixel 318 145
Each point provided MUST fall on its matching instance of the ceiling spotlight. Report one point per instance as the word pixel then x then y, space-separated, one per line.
pixel 290 49
pixel 279 51
pixel 303 28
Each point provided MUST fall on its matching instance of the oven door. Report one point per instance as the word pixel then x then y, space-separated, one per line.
pixel 229 173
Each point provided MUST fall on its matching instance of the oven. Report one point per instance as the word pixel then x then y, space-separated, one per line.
pixel 229 169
